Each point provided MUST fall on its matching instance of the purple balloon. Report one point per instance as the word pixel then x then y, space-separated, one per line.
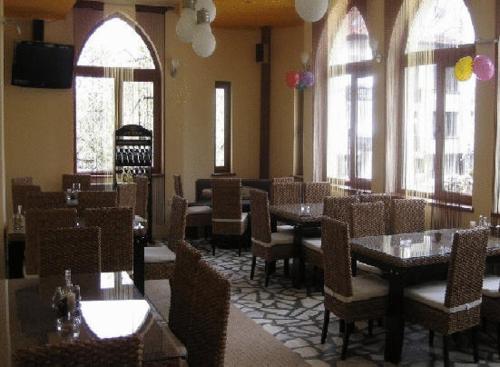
pixel 306 79
pixel 483 67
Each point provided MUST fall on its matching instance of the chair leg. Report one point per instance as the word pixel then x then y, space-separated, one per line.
pixel 287 267
pixel 254 262
pixel 268 273
pixel 240 243
pixel 446 356
pixel 213 245
pixel 345 344
pixel 326 322
pixel 341 326
pixel 370 327
pixel 431 338
pixel 498 338
pixel 475 347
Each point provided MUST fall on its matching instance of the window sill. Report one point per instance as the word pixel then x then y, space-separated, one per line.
pixel 223 174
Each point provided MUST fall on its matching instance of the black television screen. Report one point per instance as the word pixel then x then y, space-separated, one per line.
pixel 42 65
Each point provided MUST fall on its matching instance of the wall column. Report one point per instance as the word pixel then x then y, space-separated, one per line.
pixel 265 104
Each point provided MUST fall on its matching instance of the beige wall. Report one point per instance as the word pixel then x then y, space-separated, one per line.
pixel 189 106
pixel 38 122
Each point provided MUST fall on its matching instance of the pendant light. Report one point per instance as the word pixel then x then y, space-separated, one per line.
pixel 311 10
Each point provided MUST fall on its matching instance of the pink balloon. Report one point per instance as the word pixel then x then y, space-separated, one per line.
pixel 292 79
pixel 483 67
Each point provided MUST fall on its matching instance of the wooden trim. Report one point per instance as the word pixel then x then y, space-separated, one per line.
pixel 265 106
pixel 88 4
pixel 226 86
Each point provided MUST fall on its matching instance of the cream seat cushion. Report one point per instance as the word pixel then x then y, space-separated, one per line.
pixel 174 347
pixel 369 268
pixel 312 244
pixel 491 286
pixel 277 238
pixel 161 254
pixel 199 210
pixel 364 288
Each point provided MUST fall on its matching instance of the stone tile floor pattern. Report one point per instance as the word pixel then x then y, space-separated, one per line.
pixel 296 320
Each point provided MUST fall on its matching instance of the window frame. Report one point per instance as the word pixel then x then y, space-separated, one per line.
pixel 443 58
pixel 226 168
pixel 139 75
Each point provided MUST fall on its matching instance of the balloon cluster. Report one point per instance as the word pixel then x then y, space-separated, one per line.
pixel 481 65
pixel 299 79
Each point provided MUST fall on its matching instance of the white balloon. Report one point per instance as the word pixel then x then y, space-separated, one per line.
pixel 204 41
pixel 186 25
pixel 311 10
pixel 209 6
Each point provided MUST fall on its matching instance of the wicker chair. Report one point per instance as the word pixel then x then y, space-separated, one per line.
pixel 141 202
pixel 490 308
pixel 340 208
pixel 20 194
pixel 113 352
pixel 45 200
pixel 408 216
pixel 78 249
pixel 97 199
pixel 183 294
pixel 316 192
pixel 117 237
pixel 387 200
pixel 286 193
pixel 37 222
pixel 27 180
pixel 453 306
pixel 206 344
pixel 282 180
pixel 227 217
pixel 368 219
pixel 159 262
pixel 69 180
pixel 265 244
pixel 350 298
pixel 127 195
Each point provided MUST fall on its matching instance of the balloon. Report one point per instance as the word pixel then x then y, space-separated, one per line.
pixel 204 41
pixel 292 79
pixel 306 79
pixel 463 68
pixel 186 25
pixel 483 67
pixel 311 10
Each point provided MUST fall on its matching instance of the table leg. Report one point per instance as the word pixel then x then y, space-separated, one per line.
pixel 394 320
pixel 298 264
pixel 139 244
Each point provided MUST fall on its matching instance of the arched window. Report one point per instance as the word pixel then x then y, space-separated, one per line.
pixel 118 82
pixel 437 160
pixel 350 104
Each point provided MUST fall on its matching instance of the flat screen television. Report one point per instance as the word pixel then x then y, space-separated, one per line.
pixel 42 65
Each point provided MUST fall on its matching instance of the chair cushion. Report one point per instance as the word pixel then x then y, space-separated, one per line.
pixel 491 286
pixel 161 254
pixel 364 288
pixel 175 348
pixel 282 238
pixel 369 268
pixel 193 210
pixel 312 244
pixel 433 295
pixel 285 228
pixel 243 219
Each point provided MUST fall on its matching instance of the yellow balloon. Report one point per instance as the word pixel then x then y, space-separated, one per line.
pixel 464 68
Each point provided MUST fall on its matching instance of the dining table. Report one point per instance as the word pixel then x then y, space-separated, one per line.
pixel 110 306
pixel 302 216
pixel 407 259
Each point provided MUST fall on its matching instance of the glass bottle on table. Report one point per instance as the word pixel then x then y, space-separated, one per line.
pixel 18 220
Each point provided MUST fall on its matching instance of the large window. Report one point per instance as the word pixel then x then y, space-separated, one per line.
pixel 350 104
pixel 222 139
pixel 439 111
pixel 118 82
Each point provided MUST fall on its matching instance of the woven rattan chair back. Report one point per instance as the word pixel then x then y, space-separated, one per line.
pixel 97 199
pixel 113 352
pixel 45 200
pixel 178 217
pixel 178 189
pixel 78 249
pixel 466 268
pixel 226 198
pixel 207 341
pixel 287 193
pixel 316 192
pixel 408 216
pixel 261 219
pixel 20 195
pixel 141 203
pixel 117 236
pixel 387 200
pixel 127 195
pixel 282 180
pixel 69 180
pixel 27 180
pixel 368 219
pixel 183 285
pixel 336 256
pixel 340 208
pixel 37 222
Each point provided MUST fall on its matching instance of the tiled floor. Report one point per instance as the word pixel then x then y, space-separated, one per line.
pixel 296 320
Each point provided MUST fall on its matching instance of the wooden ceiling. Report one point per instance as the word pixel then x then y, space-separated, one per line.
pixel 230 13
